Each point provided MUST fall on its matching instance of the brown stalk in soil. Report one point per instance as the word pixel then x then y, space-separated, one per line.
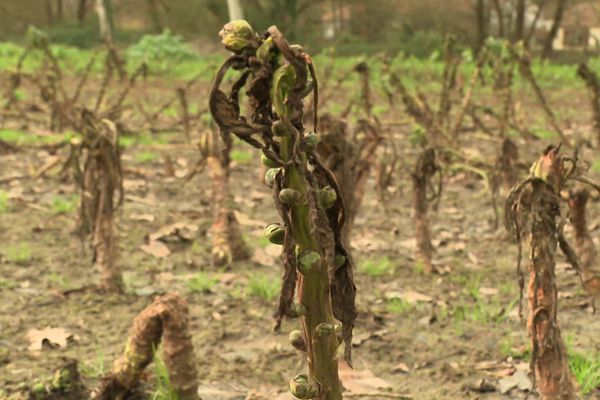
pixel 586 250
pixel 317 267
pixel 533 212
pixel 425 169
pixel 166 320
pixel 96 162
pixel 593 84
pixel 227 241
pixel 351 157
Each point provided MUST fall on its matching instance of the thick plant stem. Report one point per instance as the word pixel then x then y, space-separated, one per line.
pixel 424 170
pixel 586 250
pixel 317 266
pixel 313 289
pixel 532 212
pixel 593 84
pixel 104 241
pixel 227 242
pixel 100 182
pixel 550 364
pixel 166 318
pixel 507 162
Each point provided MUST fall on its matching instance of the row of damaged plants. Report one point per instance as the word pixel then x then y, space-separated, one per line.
pixel 318 180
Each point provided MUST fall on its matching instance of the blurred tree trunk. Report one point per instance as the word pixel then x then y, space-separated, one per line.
pixel 482 26
pixel 60 10
pixel 534 23
pixel 154 15
pixel 500 16
pixel 520 21
pixel 558 16
pixel 235 10
pixel 81 11
pixel 105 18
pixel 49 13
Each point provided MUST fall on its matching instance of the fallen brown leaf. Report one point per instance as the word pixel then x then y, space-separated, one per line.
pixel 48 337
pixel 156 249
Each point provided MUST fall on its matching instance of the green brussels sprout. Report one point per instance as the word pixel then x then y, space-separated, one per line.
pixel 339 260
pixel 270 176
pixel 296 339
pixel 324 329
pixel 279 129
pixel 311 140
pixel 327 197
pixel 275 233
pixel 302 388
pixel 298 310
pixel 290 196
pixel 308 260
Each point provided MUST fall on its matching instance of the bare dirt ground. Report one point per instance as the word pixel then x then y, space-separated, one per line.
pixel 429 337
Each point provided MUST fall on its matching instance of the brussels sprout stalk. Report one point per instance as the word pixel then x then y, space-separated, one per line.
pixel 317 267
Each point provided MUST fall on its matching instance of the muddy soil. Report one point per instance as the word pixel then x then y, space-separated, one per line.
pixel 429 337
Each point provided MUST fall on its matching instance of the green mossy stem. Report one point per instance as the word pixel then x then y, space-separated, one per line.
pixel 313 287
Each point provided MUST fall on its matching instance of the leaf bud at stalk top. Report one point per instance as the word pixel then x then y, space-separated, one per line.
pixel 275 233
pixel 290 196
pixel 302 388
pixel 238 35
pixel 308 260
pixel 327 197
pixel 296 339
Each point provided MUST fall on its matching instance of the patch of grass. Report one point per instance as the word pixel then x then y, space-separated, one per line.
pixel 64 204
pixel 508 349
pixel 201 282
pixel 257 241
pixel 263 286
pixel 146 157
pixel 419 267
pixel 21 138
pixel 399 306
pixel 586 370
pixel 596 166
pixel 545 134
pixel 481 311
pixel 143 139
pixel 508 288
pixel 18 253
pixel 240 156
pixel 59 280
pixel 164 388
pixel 3 201
pixel 379 267
pixel 95 368
pixel 470 284
pixel 7 284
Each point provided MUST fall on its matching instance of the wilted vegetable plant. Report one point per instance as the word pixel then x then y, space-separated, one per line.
pixel 318 269
pixel 533 214
pixel 96 162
